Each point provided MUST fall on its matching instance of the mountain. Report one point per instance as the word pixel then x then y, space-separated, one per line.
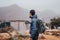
pixel 46 15
pixel 13 12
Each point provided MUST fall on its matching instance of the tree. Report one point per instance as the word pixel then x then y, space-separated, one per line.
pixel 55 22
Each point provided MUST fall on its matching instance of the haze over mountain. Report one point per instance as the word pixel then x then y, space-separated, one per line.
pixel 46 15
pixel 15 12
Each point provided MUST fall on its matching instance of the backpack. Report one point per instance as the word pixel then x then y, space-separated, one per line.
pixel 40 26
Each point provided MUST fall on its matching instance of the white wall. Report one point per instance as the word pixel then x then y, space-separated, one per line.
pixel 22 27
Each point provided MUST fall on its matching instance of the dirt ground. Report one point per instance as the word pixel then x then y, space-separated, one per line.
pixel 45 37
pixel 17 36
pixel 50 37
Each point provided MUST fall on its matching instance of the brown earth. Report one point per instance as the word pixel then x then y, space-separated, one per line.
pixel 50 37
pixel 14 35
pixel 44 37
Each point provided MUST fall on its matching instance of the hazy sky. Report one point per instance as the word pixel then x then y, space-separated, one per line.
pixel 38 5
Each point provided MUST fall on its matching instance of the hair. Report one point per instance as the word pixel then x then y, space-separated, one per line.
pixel 32 12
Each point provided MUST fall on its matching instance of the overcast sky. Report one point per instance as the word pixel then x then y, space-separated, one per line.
pixel 38 5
